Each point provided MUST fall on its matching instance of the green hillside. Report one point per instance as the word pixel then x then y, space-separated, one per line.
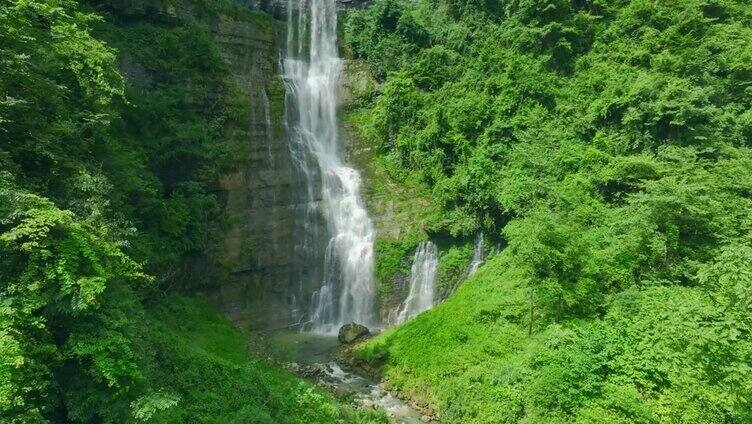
pixel 606 144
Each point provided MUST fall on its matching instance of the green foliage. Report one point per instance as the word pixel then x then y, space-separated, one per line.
pixel 453 267
pixel 659 354
pixel 142 152
pixel 146 407
pixel 98 175
pixel 608 143
pixel 613 170
pixel 391 256
pixel 60 280
pixel 202 362
pixel 57 86
pixel 73 335
pixel 165 157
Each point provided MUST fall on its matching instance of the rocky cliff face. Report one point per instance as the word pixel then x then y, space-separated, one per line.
pixel 257 248
pixel 268 274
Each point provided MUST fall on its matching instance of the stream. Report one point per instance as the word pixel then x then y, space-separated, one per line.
pixel 308 351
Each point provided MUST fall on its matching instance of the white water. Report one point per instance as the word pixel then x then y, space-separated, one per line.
pixel 478 255
pixel 268 125
pixel 422 295
pixel 347 290
pixel 368 394
pixel 312 352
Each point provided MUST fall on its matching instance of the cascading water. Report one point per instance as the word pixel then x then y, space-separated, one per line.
pixel 478 255
pixel 268 125
pixel 311 76
pixel 422 284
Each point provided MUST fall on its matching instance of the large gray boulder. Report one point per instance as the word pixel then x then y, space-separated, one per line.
pixel 350 333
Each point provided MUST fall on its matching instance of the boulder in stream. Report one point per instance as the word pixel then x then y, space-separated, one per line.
pixel 350 333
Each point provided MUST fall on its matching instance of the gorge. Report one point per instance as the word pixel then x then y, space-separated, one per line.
pixel 539 209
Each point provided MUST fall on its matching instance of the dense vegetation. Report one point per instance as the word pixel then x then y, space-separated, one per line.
pixel 115 122
pixel 607 143
pixel 604 143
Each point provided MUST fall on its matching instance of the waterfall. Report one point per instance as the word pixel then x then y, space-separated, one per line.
pixel 311 72
pixel 478 255
pixel 268 125
pixel 422 284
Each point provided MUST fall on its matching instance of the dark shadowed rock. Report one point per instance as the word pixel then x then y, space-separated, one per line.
pixel 350 333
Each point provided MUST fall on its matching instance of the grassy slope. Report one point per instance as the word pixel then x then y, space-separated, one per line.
pixel 646 360
pixel 200 357
pixel 555 127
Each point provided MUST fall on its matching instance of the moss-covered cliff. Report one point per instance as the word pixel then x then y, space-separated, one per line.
pixel 402 208
pixel 257 249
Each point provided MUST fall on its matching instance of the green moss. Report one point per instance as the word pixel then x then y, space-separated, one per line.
pixel 259 18
pixel 453 265
pixel 237 105
pixel 275 91
pixel 209 9
pixel 392 259
pixel 390 255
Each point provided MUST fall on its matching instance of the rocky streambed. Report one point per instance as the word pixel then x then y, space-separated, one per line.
pixel 312 356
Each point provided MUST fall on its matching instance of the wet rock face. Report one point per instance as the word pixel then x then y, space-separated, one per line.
pixel 267 273
pixel 256 256
pixel 350 333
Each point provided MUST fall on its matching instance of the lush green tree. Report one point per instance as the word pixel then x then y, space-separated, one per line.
pixel 62 323
pixel 607 144
pixel 102 178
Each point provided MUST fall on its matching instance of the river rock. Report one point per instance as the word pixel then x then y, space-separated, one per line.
pixel 292 367
pixel 312 371
pixel 350 333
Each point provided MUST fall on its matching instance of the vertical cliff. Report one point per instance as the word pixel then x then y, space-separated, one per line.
pixel 269 264
pixel 256 248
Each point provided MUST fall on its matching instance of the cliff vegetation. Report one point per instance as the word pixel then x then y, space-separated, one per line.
pixel 606 144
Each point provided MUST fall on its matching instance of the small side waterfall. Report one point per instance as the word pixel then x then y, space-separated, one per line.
pixel 422 294
pixel 311 72
pixel 479 255
pixel 268 125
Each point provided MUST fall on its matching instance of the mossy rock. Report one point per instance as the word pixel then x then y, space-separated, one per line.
pixel 350 333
